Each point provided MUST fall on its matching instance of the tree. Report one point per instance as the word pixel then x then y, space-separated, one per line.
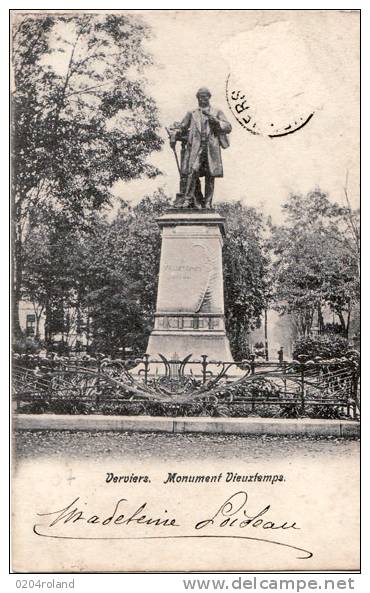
pixel 316 260
pixel 36 251
pixel 120 263
pixel 80 123
pixel 246 273
pixel 51 278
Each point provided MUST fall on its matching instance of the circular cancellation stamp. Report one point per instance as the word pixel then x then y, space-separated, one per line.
pixel 245 113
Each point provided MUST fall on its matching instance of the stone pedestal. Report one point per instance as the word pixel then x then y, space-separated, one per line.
pixel 189 315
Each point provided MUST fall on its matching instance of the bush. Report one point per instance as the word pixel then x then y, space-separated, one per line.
pixel 323 346
pixel 70 406
pixel 26 345
pixel 38 406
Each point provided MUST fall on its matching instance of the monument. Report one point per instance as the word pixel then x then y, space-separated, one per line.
pixel 202 133
pixel 189 316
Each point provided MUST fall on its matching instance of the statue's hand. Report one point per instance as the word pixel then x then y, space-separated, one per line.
pixel 212 120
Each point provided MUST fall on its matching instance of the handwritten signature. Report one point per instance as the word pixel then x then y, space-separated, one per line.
pixel 233 514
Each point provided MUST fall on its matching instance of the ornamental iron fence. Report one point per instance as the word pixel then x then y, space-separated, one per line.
pixel 299 388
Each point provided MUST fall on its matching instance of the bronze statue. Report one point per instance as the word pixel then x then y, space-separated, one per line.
pixel 202 132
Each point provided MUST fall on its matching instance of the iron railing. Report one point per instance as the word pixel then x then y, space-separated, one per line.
pixel 315 388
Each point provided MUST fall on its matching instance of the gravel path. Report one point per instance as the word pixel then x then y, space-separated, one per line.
pixel 147 446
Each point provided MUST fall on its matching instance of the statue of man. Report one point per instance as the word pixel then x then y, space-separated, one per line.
pixel 202 133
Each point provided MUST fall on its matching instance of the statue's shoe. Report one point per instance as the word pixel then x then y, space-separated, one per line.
pixel 198 204
pixel 188 202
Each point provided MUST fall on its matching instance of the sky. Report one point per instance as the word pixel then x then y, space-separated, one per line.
pixel 289 64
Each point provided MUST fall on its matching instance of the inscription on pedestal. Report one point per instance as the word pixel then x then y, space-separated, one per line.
pixel 184 272
pixel 190 275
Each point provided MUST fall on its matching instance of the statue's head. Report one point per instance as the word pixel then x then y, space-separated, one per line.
pixel 203 95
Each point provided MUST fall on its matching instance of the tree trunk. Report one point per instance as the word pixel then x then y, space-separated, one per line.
pixel 17 269
pixel 16 326
pixel 342 322
pixel 309 320
pixel 320 318
pixel 266 337
pixel 87 329
pixel 47 332
pixel 348 317
pixel 37 333
pixel 38 313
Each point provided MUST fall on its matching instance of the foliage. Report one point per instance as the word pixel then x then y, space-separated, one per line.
pixel 316 260
pixel 51 276
pixel 26 345
pixel 246 277
pixel 327 412
pixel 80 122
pixel 120 264
pixel 73 406
pixel 326 347
pixel 109 275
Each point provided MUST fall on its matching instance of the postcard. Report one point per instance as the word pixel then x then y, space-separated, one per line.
pixel 185 310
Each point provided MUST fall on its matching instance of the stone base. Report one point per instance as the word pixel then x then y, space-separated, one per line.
pixel 178 345
pixel 189 317
pixel 246 426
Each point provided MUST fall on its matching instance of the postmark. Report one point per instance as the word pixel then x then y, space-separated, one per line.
pixel 245 113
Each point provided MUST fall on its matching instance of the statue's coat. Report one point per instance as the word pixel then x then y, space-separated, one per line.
pixel 216 137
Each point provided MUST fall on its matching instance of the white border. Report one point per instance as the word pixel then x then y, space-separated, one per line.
pixel 169 582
